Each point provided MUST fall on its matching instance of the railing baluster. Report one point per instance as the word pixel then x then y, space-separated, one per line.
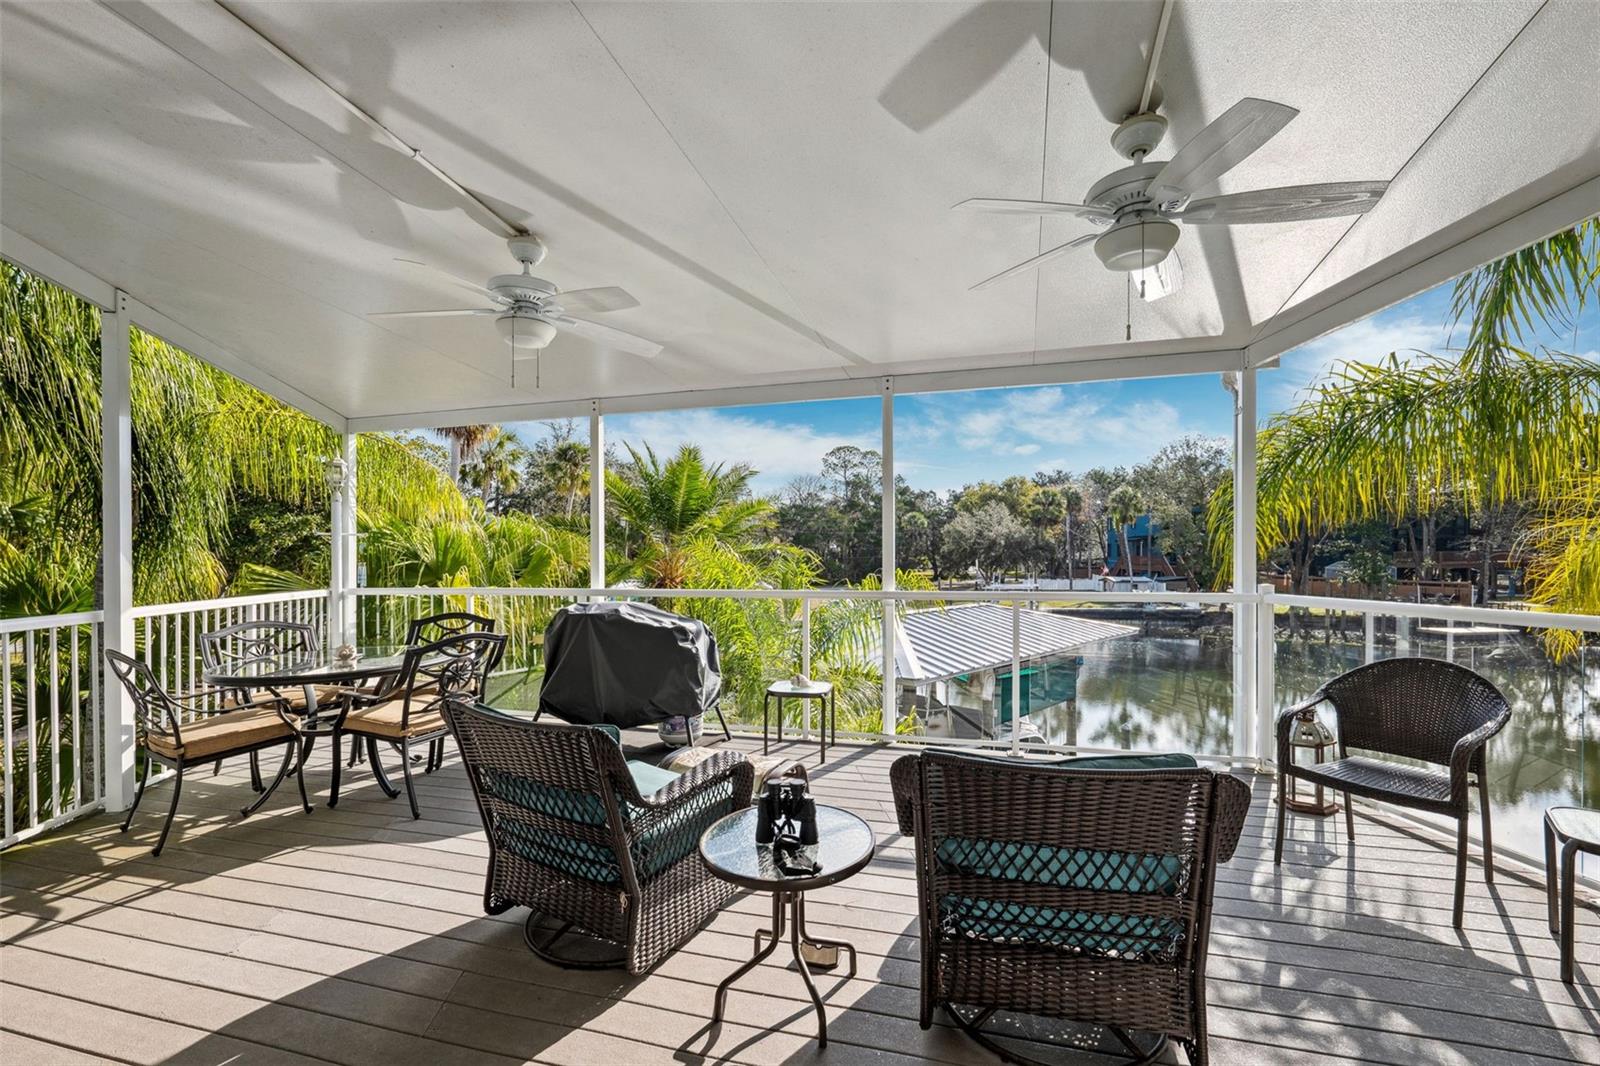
pixel 77 736
pixel 96 712
pixel 5 710
pixel 33 729
pixel 55 725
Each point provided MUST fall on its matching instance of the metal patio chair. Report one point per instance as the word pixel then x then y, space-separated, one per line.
pixel 411 712
pixel 1427 710
pixel 179 731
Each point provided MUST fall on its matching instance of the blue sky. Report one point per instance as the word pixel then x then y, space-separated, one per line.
pixel 947 440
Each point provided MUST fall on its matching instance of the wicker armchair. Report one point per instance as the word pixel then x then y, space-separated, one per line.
pixel 602 850
pixel 198 727
pixel 412 711
pixel 1422 709
pixel 1071 890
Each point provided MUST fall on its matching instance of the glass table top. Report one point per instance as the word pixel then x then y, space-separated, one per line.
pixel 309 668
pixel 844 845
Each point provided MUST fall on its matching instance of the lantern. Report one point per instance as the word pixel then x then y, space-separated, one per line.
pixel 1311 735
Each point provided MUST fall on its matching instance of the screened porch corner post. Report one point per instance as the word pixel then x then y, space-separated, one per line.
pixel 1249 613
pixel 116 545
pixel 890 608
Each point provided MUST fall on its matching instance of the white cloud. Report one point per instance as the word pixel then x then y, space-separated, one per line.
pixel 778 451
pixel 1366 341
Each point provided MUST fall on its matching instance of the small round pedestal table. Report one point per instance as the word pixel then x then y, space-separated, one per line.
pixel 730 851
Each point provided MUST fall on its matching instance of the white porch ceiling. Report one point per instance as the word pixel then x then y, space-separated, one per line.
pixel 772 180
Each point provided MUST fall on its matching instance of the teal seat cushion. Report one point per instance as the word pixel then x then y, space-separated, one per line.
pixel 650 779
pixel 1075 868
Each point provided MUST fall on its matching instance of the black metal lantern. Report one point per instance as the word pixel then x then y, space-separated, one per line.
pixel 1311 735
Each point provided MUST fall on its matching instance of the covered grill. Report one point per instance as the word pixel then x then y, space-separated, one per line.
pixel 628 664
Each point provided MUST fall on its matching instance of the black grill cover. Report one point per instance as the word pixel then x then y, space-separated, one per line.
pixel 627 664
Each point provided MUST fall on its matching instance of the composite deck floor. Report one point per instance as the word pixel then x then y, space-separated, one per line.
pixel 356 935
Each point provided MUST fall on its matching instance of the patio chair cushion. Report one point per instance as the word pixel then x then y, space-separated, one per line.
pixel 1077 868
pixel 327 696
pixel 653 851
pixel 219 734
pixel 384 720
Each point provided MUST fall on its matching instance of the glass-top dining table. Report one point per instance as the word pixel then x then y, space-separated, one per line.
pixel 374 669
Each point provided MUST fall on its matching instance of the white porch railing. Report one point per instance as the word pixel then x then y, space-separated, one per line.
pixel 52 675
pixel 50 678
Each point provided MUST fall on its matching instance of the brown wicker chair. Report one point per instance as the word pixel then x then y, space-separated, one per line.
pixel 412 711
pixel 608 864
pixel 1067 890
pixel 1422 709
pixel 182 730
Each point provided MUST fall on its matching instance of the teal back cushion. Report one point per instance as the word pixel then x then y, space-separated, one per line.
pixel 1076 868
pixel 653 851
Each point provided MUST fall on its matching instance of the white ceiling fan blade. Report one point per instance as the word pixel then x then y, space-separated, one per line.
pixel 594 301
pixel 1220 147
pixel 1296 203
pixel 1033 207
pixel 610 336
pixel 451 313
pixel 1163 279
pixel 461 282
pixel 1037 261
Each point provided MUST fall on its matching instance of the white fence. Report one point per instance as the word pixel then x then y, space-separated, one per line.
pixel 51 674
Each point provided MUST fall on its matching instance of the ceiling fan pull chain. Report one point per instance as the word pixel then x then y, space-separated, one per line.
pixel 1128 311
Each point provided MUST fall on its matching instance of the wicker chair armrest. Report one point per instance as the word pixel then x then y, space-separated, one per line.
pixel 1286 718
pixel 1466 749
pixel 1233 804
pixel 904 775
pixel 723 766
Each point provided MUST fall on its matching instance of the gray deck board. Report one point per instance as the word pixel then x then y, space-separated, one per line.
pixel 356 935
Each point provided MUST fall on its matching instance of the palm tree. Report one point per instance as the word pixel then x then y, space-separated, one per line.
pixel 201 440
pixel 1123 506
pixel 495 470
pixel 1046 508
pixel 1071 507
pixel 567 469
pixel 463 441
pixel 1492 425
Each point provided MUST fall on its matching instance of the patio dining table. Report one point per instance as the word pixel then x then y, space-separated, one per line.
pixel 374 669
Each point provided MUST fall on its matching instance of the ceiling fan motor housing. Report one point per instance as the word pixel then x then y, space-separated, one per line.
pixel 1136 243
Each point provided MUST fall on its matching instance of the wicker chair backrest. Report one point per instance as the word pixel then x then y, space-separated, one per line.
pixel 1114 862
pixel 553 793
pixel 1412 708
pixel 438 626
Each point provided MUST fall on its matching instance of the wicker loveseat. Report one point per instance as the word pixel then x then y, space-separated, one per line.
pixel 1077 890
pixel 1427 710
pixel 602 850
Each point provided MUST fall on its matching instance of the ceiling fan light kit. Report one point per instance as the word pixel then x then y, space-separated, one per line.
pixel 1136 243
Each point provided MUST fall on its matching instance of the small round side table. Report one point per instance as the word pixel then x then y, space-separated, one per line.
pixel 827 704
pixel 1576 829
pixel 729 848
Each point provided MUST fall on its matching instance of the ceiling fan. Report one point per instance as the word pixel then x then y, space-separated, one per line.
pixel 1142 204
pixel 529 312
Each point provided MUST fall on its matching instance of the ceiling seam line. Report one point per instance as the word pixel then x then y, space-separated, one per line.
pixel 332 155
pixel 511 229
pixel 1044 166
pixel 846 355
pixel 1260 330
pixel 244 266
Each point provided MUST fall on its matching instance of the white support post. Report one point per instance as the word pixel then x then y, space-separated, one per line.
pixel 342 607
pixel 597 498
pixel 336 579
pixel 805 667
pixel 890 685
pixel 1266 677
pixel 1371 642
pixel 116 545
pixel 1247 745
